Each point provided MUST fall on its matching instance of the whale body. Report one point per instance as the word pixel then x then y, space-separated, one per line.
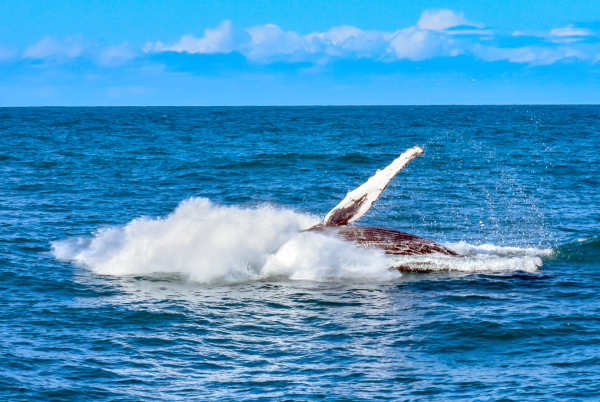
pixel 357 202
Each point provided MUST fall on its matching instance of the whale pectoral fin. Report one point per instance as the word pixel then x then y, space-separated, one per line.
pixel 359 201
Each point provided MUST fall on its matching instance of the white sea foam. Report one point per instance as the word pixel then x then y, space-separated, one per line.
pixel 487 263
pixel 210 243
pixel 479 258
pixel 465 248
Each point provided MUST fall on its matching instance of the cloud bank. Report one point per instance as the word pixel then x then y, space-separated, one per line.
pixel 269 43
pixel 437 33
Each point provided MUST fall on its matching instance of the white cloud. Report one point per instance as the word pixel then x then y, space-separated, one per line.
pixel 48 47
pixel 348 41
pixel 268 43
pixel 219 40
pixel 70 48
pixel 269 40
pixel 153 47
pixel 113 55
pixel 438 20
pixel 568 34
pixel 535 55
pixel 570 31
pixel 338 35
pixel 524 33
pixel 415 44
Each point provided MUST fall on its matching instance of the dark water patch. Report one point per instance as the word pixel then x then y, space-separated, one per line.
pixel 354 158
pixel 581 250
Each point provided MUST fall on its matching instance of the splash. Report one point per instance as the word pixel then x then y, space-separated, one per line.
pixel 209 243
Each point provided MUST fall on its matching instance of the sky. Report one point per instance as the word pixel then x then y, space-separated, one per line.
pixel 102 53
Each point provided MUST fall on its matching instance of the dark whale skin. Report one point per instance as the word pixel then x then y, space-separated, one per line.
pixel 391 241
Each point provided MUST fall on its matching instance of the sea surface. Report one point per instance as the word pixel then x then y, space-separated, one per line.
pixel 157 254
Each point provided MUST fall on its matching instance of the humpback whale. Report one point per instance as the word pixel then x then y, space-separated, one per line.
pixel 357 202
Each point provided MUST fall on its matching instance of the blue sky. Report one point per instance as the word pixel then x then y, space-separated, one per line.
pixel 65 52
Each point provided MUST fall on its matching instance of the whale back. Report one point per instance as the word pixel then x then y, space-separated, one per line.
pixel 391 241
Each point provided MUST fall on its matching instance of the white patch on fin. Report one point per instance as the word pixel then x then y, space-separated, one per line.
pixel 359 201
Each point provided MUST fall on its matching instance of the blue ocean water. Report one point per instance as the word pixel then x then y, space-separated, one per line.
pixel 154 254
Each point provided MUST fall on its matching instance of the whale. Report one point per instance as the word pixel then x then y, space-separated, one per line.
pixel 338 222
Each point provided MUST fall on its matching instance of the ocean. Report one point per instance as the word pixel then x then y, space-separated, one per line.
pixel 157 254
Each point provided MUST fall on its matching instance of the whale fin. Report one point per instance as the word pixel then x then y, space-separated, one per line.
pixel 359 201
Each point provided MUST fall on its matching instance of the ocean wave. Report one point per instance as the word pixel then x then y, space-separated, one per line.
pixel 581 250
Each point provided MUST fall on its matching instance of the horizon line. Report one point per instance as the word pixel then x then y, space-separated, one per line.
pixel 310 105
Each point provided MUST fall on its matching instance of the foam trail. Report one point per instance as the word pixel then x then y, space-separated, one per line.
pixel 465 248
pixel 210 243
pixel 480 258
